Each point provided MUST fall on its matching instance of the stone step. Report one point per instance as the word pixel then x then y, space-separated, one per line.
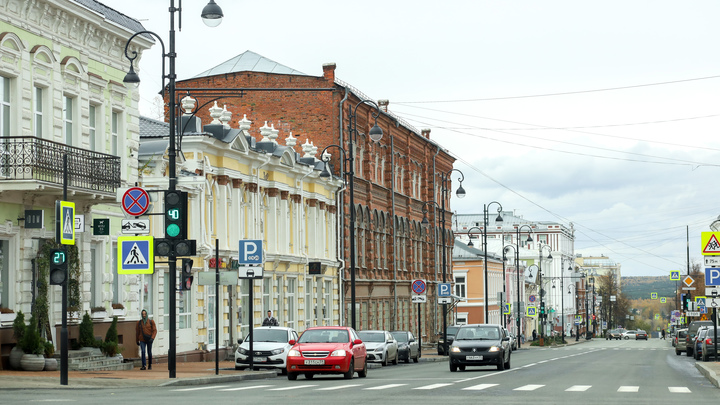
pixel 115 367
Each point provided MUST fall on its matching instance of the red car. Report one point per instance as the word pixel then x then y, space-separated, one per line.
pixel 327 350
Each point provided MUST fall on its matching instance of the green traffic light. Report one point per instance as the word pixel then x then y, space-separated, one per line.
pixel 172 230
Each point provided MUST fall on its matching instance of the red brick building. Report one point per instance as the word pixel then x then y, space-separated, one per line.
pixel 393 179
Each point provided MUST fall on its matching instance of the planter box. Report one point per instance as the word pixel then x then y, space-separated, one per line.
pixel 7 317
pixel 98 315
pixel 118 312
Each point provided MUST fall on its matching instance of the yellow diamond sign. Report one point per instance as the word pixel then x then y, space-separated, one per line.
pixel 688 281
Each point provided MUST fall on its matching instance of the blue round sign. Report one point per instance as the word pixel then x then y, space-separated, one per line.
pixel 532 298
pixel 135 201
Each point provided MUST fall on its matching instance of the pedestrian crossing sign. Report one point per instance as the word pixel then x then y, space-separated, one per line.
pixel 531 311
pixel 135 255
pixel 65 222
pixel 506 308
pixel 675 275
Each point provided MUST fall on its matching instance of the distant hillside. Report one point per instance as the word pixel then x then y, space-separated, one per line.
pixel 641 287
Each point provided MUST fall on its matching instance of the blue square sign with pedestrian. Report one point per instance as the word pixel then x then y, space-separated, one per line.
pixel 135 255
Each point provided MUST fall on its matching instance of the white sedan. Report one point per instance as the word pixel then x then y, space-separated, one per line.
pixel 629 334
pixel 381 346
pixel 270 348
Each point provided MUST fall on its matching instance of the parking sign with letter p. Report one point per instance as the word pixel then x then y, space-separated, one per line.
pixel 712 276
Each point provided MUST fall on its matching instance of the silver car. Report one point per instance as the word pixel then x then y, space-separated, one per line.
pixel 381 346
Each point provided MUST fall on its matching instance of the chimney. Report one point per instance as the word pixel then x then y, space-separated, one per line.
pixel 329 72
pixel 425 133
pixel 383 104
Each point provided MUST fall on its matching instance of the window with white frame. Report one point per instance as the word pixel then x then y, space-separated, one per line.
pixel 92 126
pixel 68 115
pixel 117 299
pixel 96 275
pixel 38 103
pixel 4 275
pixel 290 296
pixel 327 302
pixel 309 315
pixel 460 286
pixel 266 299
pixel 4 106
pixel 244 310
pixel 114 133
pixel 183 305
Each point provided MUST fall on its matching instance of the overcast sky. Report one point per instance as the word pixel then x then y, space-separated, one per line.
pixel 604 114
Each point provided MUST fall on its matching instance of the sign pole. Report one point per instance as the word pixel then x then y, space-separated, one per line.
pixel 217 306
pixel 420 330
pixel 715 325
pixel 64 328
pixel 250 321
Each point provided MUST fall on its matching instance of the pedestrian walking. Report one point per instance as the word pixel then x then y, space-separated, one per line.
pixel 534 335
pixel 270 320
pixel 145 331
pixel 663 333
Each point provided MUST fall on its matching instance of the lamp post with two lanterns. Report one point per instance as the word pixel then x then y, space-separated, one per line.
pixel 485 248
pixel 348 171
pixel 543 313
pixel 212 16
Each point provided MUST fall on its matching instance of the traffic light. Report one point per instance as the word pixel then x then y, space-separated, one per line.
pixel 542 308
pixel 183 247
pixel 58 267
pixel 683 301
pixel 175 214
pixel 187 277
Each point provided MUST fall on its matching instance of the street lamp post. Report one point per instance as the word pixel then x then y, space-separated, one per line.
pixel 212 16
pixel 376 134
pixel 542 290
pixel 517 265
pixel 485 248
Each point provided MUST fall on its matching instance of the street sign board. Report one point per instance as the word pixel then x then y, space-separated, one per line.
pixel 713 302
pixel 443 300
pixel 653 296
pixel 133 226
pixel 712 276
pixel 444 290
pixel 252 258
pixel 418 299
pixel 692 313
pixel 227 277
pixel 532 298
pixel 101 226
pixel 578 319
pixel 712 261
pixel 135 255
pixel 65 222
pixel 506 309
pixel 712 291
pixel 34 219
pixel 675 275
pixel 688 288
pixel 531 311
pixel 79 223
pixel 613 298
pixel 135 201
pixel 663 300
pixel 688 281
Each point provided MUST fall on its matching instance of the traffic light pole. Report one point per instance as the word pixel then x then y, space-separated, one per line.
pixel 64 328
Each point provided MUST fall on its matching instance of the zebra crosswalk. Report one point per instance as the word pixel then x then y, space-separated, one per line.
pixel 434 386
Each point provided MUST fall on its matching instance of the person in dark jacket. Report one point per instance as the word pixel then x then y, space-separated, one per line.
pixel 145 331
pixel 270 320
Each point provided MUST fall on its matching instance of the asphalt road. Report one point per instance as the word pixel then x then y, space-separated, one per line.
pixel 593 372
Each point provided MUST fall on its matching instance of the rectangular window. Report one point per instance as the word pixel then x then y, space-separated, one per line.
pixel 244 312
pixel 4 275
pixel 92 123
pixel 116 277
pixel 183 305
pixel 460 286
pixel 309 302
pixel 327 309
pixel 291 291
pixel 38 113
pixel 5 106
pixel 114 130
pixel 543 239
pixel 146 294
pixel 68 120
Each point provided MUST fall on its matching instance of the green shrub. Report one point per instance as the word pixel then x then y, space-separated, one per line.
pixel 110 347
pixel 49 349
pixel 19 326
pixel 31 342
pixel 87 332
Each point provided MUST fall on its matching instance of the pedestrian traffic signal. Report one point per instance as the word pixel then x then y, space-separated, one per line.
pixel 177 248
pixel 175 215
pixel 542 308
pixel 187 277
pixel 58 267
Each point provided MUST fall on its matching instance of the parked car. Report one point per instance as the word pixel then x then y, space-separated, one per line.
pixel 408 346
pixel 480 345
pixel 513 340
pixel 691 333
pixel 680 341
pixel 641 334
pixel 708 346
pixel 270 348
pixel 442 346
pixel 327 350
pixel 697 343
pixel 629 334
pixel 381 346
pixel 614 334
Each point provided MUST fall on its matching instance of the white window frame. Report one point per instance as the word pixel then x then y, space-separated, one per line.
pixel 68 117
pixel 38 109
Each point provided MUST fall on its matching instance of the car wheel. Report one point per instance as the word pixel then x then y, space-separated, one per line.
pixel 385 359
pixel 310 376
pixel 461 368
pixel 626 338
pixel 453 368
pixel 292 376
pixel 283 371
pixel 363 373
pixel 501 364
pixel 507 364
pixel 407 359
pixel 417 358
pixel 350 372
pixel 688 352
pixel 395 361
pixel 677 352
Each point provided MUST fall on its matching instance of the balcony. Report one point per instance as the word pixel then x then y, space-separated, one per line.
pixel 30 163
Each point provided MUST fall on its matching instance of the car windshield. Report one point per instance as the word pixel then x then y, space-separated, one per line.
pixel 478 333
pixel 269 335
pixel 400 336
pixel 324 336
pixel 372 336
pixel 452 330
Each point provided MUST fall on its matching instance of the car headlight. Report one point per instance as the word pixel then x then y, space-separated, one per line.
pixel 494 349
pixel 455 349
pixel 293 352
pixel 242 351
pixel 379 350
pixel 276 351
pixel 338 353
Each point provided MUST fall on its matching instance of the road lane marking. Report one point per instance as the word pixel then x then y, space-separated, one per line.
pixel 294 387
pixel 384 387
pixel 213 387
pixel 484 376
pixel 579 388
pixel 339 387
pixel 246 388
pixel 529 387
pixel 432 386
pixel 679 390
pixel 480 387
pixel 629 388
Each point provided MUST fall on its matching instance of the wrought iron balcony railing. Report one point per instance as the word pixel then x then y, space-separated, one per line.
pixel 31 158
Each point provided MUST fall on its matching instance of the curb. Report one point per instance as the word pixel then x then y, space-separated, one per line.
pixel 709 374
pixel 219 379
